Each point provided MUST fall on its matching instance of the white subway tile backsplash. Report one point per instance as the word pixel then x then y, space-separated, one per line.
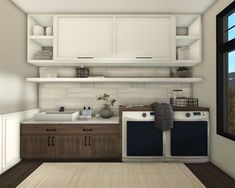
pixel 141 93
pixel 52 93
pixel 137 85
pixel 86 85
pixel 78 95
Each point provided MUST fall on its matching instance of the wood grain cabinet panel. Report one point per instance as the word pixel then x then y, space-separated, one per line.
pixel 104 146
pixel 68 146
pixel 81 142
pixel 30 146
pixel 48 146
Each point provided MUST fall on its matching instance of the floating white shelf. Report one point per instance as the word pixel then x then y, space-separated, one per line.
pixel 43 40
pixel 104 79
pixel 115 63
pixel 185 40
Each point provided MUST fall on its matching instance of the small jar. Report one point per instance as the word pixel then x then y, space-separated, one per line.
pixel 177 93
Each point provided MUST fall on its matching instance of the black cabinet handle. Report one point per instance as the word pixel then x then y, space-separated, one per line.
pixel 48 141
pixel 50 130
pixel 87 129
pixel 53 143
pixel 85 140
pixel 89 141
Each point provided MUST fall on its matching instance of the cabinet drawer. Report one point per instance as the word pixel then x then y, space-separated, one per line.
pixel 70 129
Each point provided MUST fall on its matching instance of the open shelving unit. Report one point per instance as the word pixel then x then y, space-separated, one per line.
pixel 191 38
pixel 120 80
pixel 36 42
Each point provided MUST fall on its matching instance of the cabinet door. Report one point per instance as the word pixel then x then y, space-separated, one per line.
pixel 48 146
pixel 145 37
pixel 68 146
pixel 103 146
pixel 84 38
pixel 30 146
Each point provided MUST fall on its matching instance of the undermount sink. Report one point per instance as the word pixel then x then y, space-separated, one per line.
pixel 56 116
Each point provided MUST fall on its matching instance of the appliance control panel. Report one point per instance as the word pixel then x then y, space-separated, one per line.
pixel 178 115
pixel 191 115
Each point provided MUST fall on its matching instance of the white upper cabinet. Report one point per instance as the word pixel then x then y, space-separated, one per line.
pixel 116 40
pixel 80 37
pixel 145 37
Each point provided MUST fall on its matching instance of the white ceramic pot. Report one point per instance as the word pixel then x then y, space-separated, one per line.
pixel 38 30
pixel 49 31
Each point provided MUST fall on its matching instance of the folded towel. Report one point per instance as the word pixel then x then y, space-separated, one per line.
pixel 164 116
pixel 41 57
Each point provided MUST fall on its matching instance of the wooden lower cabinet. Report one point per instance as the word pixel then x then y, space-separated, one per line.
pixel 68 146
pixel 104 146
pixel 48 148
pixel 87 146
pixel 100 147
pixel 30 146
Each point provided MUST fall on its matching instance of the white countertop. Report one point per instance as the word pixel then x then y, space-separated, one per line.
pixel 93 120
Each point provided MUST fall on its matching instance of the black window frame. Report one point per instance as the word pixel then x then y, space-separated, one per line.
pixel 223 46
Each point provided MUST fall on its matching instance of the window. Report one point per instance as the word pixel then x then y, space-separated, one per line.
pixel 226 72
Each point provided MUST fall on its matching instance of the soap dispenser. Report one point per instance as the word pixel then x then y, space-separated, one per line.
pixel 84 111
pixel 89 112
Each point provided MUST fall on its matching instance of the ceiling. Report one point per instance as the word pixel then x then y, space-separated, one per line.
pixel 114 6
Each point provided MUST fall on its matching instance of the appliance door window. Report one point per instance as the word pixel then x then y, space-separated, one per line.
pixel 189 138
pixel 143 139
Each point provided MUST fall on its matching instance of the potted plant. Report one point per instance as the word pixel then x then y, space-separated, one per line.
pixel 184 72
pixel 105 111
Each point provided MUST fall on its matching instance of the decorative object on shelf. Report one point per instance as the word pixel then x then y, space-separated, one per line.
pixel 45 72
pixel 184 102
pixel 82 72
pixel 38 30
pixel 184 72
pixel 183 53
pixel 49 31
pixel 105 111
pixel 177 93
pixel 45 54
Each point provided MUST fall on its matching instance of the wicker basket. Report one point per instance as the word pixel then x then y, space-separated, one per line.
pixel 184 102
pixel 184 74
pixel 82 72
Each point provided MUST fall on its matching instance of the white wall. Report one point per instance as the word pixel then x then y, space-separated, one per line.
pixel 222 150
pixel 15 93
pixel 77 95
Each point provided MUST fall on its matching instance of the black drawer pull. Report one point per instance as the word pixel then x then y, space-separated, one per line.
pixel 48 141
pixel 53 144
pixel 87 129
pixel 89 141
pixel 50 130
pixel 85 140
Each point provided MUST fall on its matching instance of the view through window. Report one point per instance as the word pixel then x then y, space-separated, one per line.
pixel 226 72
pixel 231 78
